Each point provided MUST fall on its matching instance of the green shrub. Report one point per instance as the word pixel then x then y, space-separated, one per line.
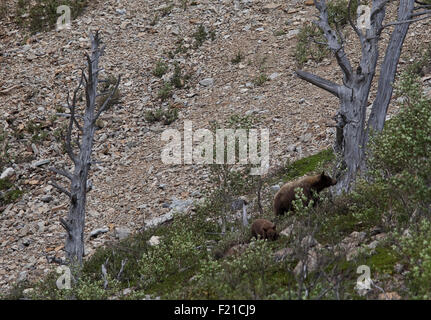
pixel 166 10
pixel 338 11
pixel 260 79
pixel 306 47
pixel 238 57
pixel 422 64
pixel 165 92
pixel 3 10
pixel 160 69
pixel 415 253
pixel 9 192
pixel 41 15
pixel 177 79
pixel 279 33
pixel 177 252
pixel 243 277
pixel 85 288
pixel 167 116
pixel 200 36
pixel 400 154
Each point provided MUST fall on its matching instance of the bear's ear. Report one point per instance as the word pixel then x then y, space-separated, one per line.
pixel 275 226
pixel 323 173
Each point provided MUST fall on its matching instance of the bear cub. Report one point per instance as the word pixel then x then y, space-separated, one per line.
pixel 264 229
pixel 310 184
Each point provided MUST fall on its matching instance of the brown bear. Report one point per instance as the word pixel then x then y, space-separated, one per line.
pixel 264 228
pixel 309 184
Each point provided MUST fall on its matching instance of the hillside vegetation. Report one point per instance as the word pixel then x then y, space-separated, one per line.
pixel 384 224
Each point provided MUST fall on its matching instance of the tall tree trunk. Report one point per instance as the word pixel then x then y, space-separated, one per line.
pixel 351 131
pixel 388 69
pixel 75 222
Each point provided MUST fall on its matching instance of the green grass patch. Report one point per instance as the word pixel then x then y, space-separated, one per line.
pixel 9 193
pixel 308 164
pixel 160 69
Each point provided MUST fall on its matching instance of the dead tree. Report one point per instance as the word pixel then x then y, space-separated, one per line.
pixel 351 130
pixel 80 153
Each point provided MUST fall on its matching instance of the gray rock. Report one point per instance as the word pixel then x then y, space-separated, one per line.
pixel 7 173
pixel 309 242
pixel 159 220
pixel 40 163
pixel 306 137
pixel 358 236
pixel 127 291
pixel 311 264
pixel 154 241
pixel 293 33
pixel 122 232
pixel 28 291
pixel 291 148
pixel 31 56
pixel 275 188
pixel 98 231
pixel 180 205
pixel 207 82
pixel 250 112
pixel 41 227
pixel 374 244
pixel 274 76
pixel 288 231
pixel 191 95
pixel 281 254
pixel 24 231
pixel 47 199
pixel 196 194
pixel 22 276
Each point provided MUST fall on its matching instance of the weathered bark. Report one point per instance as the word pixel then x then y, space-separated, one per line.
pixel 351 129
pixel 75 222
pixel 389 69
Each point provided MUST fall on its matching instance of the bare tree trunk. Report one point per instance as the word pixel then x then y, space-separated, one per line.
pixel 351 132
pixel 389 68
pixel 75 222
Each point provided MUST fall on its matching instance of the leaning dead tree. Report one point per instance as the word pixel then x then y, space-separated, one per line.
pixel 352 131
pixel 79 150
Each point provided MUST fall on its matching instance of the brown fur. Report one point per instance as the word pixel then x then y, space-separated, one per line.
pixel 264 228
pixel 309 184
